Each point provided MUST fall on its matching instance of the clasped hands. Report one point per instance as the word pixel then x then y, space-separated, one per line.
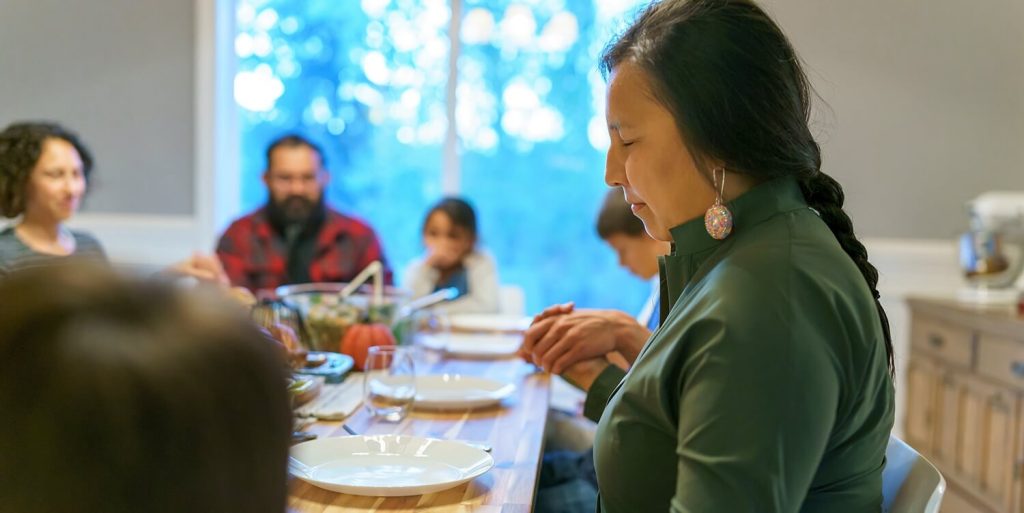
pixel 580 344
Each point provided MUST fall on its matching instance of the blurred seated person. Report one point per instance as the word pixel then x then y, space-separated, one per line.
pixel 296 237
pixel 124 396
pixel 568 483
pixel 563 334
pixel 44 174
pixel 44 169
pixel 454 260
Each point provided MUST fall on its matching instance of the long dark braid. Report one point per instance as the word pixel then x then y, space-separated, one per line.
pixel 824 194
pixel 739 95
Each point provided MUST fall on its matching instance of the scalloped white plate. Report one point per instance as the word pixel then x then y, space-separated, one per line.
pixel 473 345
pixel 455 391
pixel 387 465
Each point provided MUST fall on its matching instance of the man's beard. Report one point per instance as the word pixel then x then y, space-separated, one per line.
pixel 295 210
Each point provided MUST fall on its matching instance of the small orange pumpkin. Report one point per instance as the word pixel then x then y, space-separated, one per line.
pixel 359 338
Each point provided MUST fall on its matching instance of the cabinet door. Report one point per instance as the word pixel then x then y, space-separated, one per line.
pixel 948 415
pixel 997 474
pixel 969 457
pixel 987 452
pixel 1018 464
pixel 920 420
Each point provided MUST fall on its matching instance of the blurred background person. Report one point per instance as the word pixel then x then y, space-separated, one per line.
pixel 453 259
pixel 44 172
pixel 295 237
pixel 568 483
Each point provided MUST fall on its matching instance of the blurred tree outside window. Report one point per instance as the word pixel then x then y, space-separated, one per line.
pixel 369 79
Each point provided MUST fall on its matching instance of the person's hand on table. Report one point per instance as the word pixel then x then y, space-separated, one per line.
pixel 558 341
pixel 551 311
pixel 206 268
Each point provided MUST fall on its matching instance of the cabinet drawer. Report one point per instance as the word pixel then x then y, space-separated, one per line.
pixel 1001 359
pixel 950 344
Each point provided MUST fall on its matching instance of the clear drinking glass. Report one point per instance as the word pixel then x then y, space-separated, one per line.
pixel 389 382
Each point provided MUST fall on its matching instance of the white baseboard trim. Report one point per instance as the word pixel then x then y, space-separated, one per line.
pixel 915 266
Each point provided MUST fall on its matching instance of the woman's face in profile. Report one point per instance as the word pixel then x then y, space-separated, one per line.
pixel 648 159
pixel 56 183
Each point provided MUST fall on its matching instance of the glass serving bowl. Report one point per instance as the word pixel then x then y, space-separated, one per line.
pixel 325 318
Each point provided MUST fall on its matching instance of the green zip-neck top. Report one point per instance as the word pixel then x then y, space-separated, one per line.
pixel 766 388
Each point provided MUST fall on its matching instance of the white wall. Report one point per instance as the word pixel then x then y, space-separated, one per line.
pixel 147 85
pixel 927 104
pixel 120 73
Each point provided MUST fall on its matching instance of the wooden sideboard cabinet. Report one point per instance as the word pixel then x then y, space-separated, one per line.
pixel 965 402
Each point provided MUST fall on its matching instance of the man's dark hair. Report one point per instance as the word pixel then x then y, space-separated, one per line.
pixel 292 141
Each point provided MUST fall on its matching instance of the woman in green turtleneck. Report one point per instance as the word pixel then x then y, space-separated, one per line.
pixel 768 386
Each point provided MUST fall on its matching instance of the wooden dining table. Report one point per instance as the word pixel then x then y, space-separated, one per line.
pixel 514 430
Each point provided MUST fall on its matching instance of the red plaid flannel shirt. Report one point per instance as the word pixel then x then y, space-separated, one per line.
pixel 254 254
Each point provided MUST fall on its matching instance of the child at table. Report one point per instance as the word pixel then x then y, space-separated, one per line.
pixel 452 259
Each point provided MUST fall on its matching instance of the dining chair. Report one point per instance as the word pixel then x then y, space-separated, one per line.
pixel 910 483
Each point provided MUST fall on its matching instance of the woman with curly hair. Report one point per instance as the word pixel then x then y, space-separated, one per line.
pixel 44 170
pixel 44 173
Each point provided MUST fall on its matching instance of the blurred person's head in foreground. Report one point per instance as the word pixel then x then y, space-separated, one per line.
pixel 121 395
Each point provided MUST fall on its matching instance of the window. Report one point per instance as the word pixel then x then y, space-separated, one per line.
pixel 370 81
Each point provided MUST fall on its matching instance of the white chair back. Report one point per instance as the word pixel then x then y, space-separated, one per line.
pixel 910 483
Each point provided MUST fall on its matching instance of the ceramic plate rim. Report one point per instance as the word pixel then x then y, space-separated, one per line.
pixel 501 391
pixel 487 461
pixel 465 352
pixel 478 323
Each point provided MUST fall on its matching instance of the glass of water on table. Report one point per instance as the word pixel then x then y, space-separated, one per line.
pixel 389 382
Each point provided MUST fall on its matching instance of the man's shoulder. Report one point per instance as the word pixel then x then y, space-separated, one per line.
pixel 249 221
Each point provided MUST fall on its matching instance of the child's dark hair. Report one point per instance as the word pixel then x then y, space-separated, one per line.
pixel 459 211
pixel 616 218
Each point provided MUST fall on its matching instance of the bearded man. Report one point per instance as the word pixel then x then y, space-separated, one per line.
pixel 296 237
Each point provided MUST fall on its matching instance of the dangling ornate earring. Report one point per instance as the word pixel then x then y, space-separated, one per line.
pixel 718 219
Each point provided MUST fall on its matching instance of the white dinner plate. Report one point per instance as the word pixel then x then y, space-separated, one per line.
pixel 455 391
pixel 474 345
pixel 387 465
pixel 489 323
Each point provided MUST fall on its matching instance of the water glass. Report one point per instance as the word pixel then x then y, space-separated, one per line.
pixel 389 382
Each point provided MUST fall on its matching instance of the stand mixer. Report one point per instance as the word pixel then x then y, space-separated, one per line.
pixel 992 252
